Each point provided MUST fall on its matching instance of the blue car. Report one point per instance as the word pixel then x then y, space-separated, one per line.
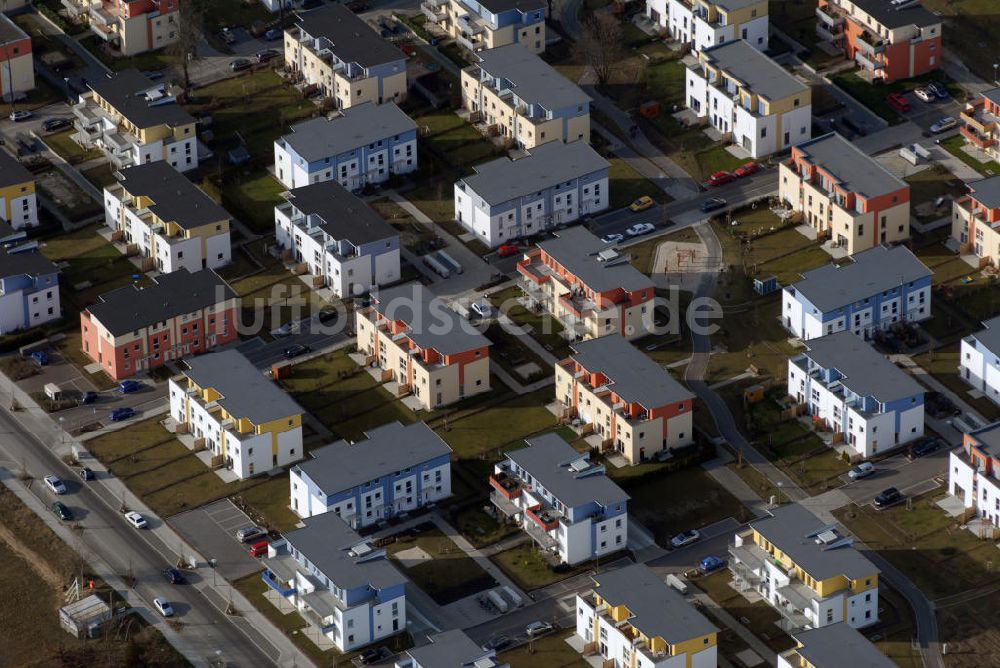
pixel 273 35
pixel 119 414
pixel 129 386
pixel 41 357
pixel 710 563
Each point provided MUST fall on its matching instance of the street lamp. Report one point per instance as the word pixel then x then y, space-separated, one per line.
pixel 995 66
pixel 69 94
pixel 780 485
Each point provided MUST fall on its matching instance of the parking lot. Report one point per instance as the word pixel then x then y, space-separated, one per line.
pixel 211 529
pixel 909 477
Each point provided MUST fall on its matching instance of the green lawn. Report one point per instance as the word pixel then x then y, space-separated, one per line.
pixel 955 144
pixel 481 529
pixel 665 83
pixel 627 185
pixel 449 575
pixel 69 150
pixel 527 567
pixel 72 244
pixel 552 651
pixel 149 61
pixel 943 365
pixel 760 618
pixel 514 419
pixel 101 176
pixel 968 25
pixel 871 96
pixel 270 499
pixel 717 159
pixel 545 329
pixel 928 185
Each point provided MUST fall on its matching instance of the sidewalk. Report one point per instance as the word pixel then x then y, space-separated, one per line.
pixel 719 469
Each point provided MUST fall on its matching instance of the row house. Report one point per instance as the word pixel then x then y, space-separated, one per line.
pixel 973 472
pixel 18 199
pixel 29 289
pixel 522 98
pixel 870 292
pixel 17 64
pixel 567 504
pixel 394 470
pixel 833 646
pixel 851 389
pixel 845 195
pixel 702 24
pixel 449 648
pixel 979 360
pixel 423 345
pixel 488 24
pixel 342 241
pixel 227 406
pixel 631 617
pixel 749 98
pixel 165 218
pixel 888 40
pixel 589 288
pixel 336 51
pixel 975 220
pixel 135 329
pixel 133 120
pixel 808 571
pixel 636 407
pixel 342 586
pixel 979 124
pixel 130 26
pixel 364 144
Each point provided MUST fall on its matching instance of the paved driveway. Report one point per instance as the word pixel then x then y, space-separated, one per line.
pixel 211 530
pixel 899 472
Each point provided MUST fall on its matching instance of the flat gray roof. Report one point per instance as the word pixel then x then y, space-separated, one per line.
pixel 532 79
pixel 503 179
pixel 634 376
pixel 988 438
pixel 12 172
pixel 246 393
pixel 839 645
pixel 986 191
pixel 25 263
pixel 893 17
pixel 125 91
pixel 793 529
pixel 993 95
pixel 10 31
pixel 852 168
pixel 547 459
pixel 871 271
pixel 989 336
pixel 386 449
pixel 865 371
pixel 576 249
pixel 524 6
pixel 344 215
pixel 449 649
pixel 733 5
pixel 320 138
pixel 657 609
pixel 353 40
pixel 431 322
pixel 761 74
pixel 175 198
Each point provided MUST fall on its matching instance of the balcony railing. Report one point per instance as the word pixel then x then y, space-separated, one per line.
pixel 434 10
pixel 983 142
pixel 829 33
pixel 829 16
pixel 870 44
pixel 507 485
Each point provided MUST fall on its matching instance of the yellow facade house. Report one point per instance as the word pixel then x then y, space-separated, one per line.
pixel 488 24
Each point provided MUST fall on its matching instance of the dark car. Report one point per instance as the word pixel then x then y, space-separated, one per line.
pixel 40 357
pixel 939 89
pixel 62 511
pixel 925 446
pixel 887 497
pixel 173 576
pixel 712 204
pixel 291 352
pixel 129 386
pixel 88 397
pixel 119 414
pixel 240 64
pixel 710 563
pixel 497 643
pixel 273 35
pixel 86 473
pixel 265 56
pixel 327 316
pixel 53 124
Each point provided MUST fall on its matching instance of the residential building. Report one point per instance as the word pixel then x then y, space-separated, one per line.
pixel 845 195
pixel 345 244
pixel 857 393
pixel 449 649
pixel 633 618
pixel 888 40
pixel 749 98
pixel 975 221
pixel 488 24
pixel 336 51
pixel 874 290
pixel 29 290
pixel 634 406
pixel 588 287
pixel 567 504
pixel 553 185
pixel 134 121
pixel 163 217
pixel 340 584
pixel 396 469
pixel 18 201
pixel 133 329
pixel 17 65
pixel 973 473
pixel 523 99
pixel 130 26
pixel 707 23
pixel 365 144
pixel 11 238
pixel 833 646
pixel 423 346
pixel 979 360
pixel 979 124
pixel 806 570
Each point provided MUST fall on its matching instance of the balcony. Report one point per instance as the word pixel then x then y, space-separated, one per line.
pixel 507 485
pixel 434 10
pixel 869 44
pixel 979 119
pixel 974 138
pixel 547 519
pixel 544 540
pixel 829 33
pixel 473 43
pixel 830 17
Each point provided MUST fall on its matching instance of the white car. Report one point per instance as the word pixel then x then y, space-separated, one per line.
pixel 862 470
pixel 135 519
pixel 685 538
pixel 639 229
pixel 482 308
pixel 162 606
pixel 944 124
pixel 924 94
pixel 535 629
pixel 55 485
pixel 612 238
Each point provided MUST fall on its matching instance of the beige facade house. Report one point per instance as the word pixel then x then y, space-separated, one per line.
pixel 488 24
pixel 17 67
pixel 975 220
pixel 130 26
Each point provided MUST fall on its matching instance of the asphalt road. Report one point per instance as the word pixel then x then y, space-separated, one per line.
pixel 899 472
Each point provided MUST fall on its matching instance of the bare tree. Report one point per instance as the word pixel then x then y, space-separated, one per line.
pixel 601 45
pixel 190 33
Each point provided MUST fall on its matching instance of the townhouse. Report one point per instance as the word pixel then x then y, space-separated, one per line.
pixel 340 584
pixel 522 98
pixel 567 504
pixel 833 646
pixel 591 289
pixel 749 98
pixel 135 329
pixel 130 26
pixel 806 570
pixel 636 407
pixel 488 24
pixel 227 406
pixel 18 201
pixel 979 359
pixel 345 244
pixel 706 23
pixel 873 290
pixel 851 389
pixel 340 54
pixel 631 617
pixel 395 469
pixel 364 144
pixel 424 346
pixel 165 218
pixel 17 65
pixel 134 121
pixel 29 290
pixel 845 195
pixel 449 648
pixel 973 472
pixel 979 124
pixel 888 40
pixel 975 220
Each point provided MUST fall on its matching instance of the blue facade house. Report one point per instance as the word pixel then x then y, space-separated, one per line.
pixel 29 289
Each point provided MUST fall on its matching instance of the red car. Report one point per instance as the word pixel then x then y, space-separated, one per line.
pixel 507 250
pixel 898 102
pixel 720 178
pixel 746 170
pixel 258 549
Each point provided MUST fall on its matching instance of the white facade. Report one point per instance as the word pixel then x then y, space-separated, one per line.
pixel 23 309
pixel 368 163
pixel 973 489
pixel 683 25
pixel 23 210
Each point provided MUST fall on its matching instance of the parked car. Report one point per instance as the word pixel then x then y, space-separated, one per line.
pixel 291 352
pixel 482 308
pixel 53 124
pixel 247 533
pixel 639 229
pixel 129 386
pixel 62 511
pixel 506 250
pixel 55 485
pixel 535 629
pixel 18 116
pixel 924 94
pixel 240 64
pixel 496 643
pixel 925 446
pixel 163 606
pixel 613 238
pixel 747 169
pixel 40 357
pixel 712 204
pixel 227 36
pixel 273 35
pixel 264 56
pixel 135 519
pixel 154 75
pixel 685 538
pixel 327 316
pixel 887 497
pixel 173 576
pixel 944 124
pixel 860 471
pixel 369 656
pixel 641 204
pixel 88 397
pixel 259 549
pixel 710 564
pixel 358 6
pixel 720 179
pixel 86 474
pixel 898 102
pixel 120 414
pixel 939 89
